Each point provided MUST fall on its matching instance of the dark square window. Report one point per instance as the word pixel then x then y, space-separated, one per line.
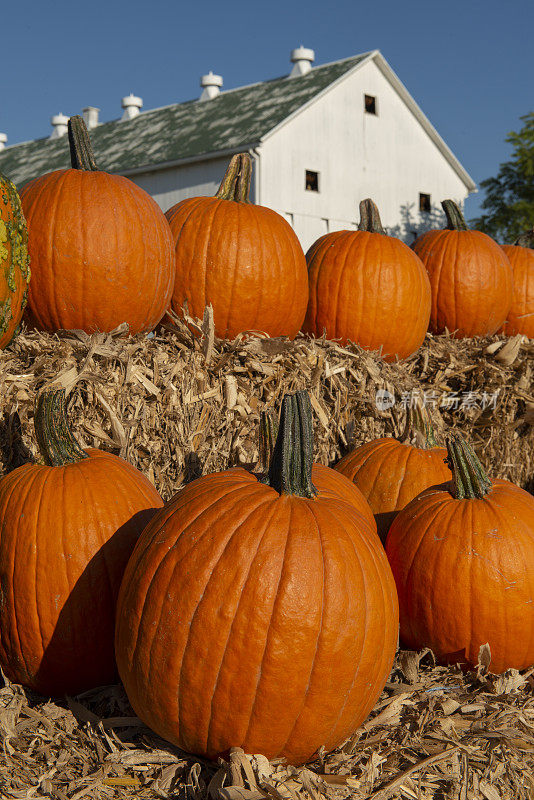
pixel 424 203
pixel 370 104
pixel 312 181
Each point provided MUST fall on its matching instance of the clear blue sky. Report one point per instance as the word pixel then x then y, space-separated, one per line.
pixel 469 64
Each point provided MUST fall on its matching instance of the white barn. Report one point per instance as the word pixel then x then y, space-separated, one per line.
pixel 322 139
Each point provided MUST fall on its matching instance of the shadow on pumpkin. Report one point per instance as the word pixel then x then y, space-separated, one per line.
pixel 80 654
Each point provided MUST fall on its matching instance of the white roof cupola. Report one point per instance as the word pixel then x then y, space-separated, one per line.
pixel 302 59
pixel 211 86
pixel 132 106
pixel 3 140
pixel 60 125
pixel 90 116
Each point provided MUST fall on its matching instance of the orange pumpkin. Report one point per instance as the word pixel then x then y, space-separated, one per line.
pixel 101 248
pixel 14 261
pixel 391 472
pixel 520 318
pixel 258 615
pixel 462 557
pixel 368 288
pixel 67 529
pixel 242 259
pixel 470 276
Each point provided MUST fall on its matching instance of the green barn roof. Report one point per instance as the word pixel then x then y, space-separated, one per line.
pixel 236 119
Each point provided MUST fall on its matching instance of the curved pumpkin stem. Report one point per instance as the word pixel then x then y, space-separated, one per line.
pixel 370 217
pixel 525 240
pixel 57 445
pixel 290 471
pixel 81 150
pixel 418 430
pixel 268 432
pixel 455 218
pixel 468 476
pixel 236 182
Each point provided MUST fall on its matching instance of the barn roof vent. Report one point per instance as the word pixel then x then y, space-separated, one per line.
pixel 302 59
pixel 3 140
pixel 211 86
pixel 60 125
pixel 90 116
pixel 132 106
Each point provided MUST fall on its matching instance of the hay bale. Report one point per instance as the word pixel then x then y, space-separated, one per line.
pixel 178 406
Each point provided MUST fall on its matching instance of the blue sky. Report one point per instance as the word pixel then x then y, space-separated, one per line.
pixel 468 64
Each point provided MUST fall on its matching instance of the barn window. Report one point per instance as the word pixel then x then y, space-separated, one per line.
pixel 312 181
pixel 424 203
pixel 370 104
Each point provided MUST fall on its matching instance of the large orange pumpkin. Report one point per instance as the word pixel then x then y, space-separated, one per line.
pixel 368 288
pixel 258 615
pixel 67 529
pixel 470 276
pixel 520 318
pixel 391 472
pixel 14 261
pixel 463 560
pixel 101 248
pixel 242 259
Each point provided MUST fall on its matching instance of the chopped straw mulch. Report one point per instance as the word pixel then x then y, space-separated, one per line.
pixel 178 405
pixel 434 733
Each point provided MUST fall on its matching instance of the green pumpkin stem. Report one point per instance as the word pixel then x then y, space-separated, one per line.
pixel 526 240
pixel 268 432
pixel 370 218
pixel 57 445
pixel 290 470
pixel 418 430
pixel 455 218
pixel 236 182
pixel 468 476
pixel 81 150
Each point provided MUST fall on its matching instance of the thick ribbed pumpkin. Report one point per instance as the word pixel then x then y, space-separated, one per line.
pixel 520 318
pixel 258 615
pixel 470 276
pixel 391 472
pixel 67 529
pixel 242 259
pixel 14 261
pixel 101 248
pixel 462 557
pixel 368 288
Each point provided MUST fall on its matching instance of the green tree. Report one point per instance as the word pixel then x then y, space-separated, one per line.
pixel 509 201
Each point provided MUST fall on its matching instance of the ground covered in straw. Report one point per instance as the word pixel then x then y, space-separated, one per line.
pixel 178 405
pixel 434 733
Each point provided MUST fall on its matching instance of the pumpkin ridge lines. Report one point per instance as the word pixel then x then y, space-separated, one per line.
pixel 210 577
pixel 162 561
pixel 279 261
pixel 436 282
pixel 268 518
pixel 367 616
pixel 269 626
pixel 311 510
pixel 142 218
pixel 97 521
pixel 22 478
pixel 57 190
pixel 235 263
pixel 36 583
pixel 433 513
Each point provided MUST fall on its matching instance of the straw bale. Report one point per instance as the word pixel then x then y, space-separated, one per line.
pixel 178 405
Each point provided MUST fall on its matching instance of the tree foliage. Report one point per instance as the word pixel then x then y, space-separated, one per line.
pixel 509 201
